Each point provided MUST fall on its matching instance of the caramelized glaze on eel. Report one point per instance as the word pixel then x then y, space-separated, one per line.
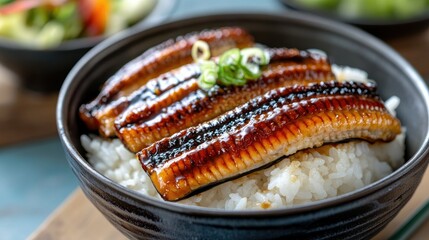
pixel 279 123
pixel 156 61
pixel 186 105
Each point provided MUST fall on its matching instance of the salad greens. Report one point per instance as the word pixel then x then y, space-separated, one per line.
pixel 374 9
pixel 47 23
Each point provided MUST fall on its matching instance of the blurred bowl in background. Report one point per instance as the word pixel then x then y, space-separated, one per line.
pixel 380 27
pixel 44 70
pixel 357 215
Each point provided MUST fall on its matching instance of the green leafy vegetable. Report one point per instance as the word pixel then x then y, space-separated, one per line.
pixel 46 24
pixel 3 2
pixel 375 9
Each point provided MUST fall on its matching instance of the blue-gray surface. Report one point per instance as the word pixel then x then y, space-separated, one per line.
pixel 35 178
pixel 185 8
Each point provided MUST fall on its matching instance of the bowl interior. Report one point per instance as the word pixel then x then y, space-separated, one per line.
pixel 344 45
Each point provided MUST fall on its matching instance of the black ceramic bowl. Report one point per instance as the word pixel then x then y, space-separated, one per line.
pixel 383 28
pixel 359 214
pixel 45 69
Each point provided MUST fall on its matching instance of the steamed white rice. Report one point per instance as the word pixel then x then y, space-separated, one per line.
pixel 306 176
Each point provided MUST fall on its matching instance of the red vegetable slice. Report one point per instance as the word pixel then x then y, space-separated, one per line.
pixel 24 5
pixel 19 6
pixel 95 15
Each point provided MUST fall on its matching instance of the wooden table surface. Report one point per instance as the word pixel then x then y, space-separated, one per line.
pixel 27 116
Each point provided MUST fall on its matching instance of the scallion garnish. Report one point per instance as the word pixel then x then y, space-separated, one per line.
pixel 229 68
pixel 200 51
pixel 235 66
pixel 209 74
pixel 251 60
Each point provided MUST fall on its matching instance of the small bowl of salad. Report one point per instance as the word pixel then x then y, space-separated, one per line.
pixel 383 18
pixel 41 40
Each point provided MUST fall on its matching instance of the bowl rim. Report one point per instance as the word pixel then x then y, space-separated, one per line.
pixel 358 21
pixel 325 24
pixel 160 12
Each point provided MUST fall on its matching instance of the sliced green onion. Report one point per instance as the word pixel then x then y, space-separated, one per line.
pixel 229 68
pixel 230 57
pixel 256 55
pixel 208 65
pixel 207 79
pixel 231 75
pixel 235 66
pixel 200 51
pixel 209 74
pixel 251 60
pixel 251 71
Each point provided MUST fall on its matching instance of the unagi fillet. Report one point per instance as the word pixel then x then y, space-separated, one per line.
pixel 267 128
pixel 186 105
pixel 104 118
pixel 158 60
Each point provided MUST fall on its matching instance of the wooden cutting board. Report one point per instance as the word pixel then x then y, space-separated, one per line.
pixel 77 218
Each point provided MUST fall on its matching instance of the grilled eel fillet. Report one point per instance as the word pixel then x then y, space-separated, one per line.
pixel 185 105
pixel 158 60
pixel 277 124
pixel 162 87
